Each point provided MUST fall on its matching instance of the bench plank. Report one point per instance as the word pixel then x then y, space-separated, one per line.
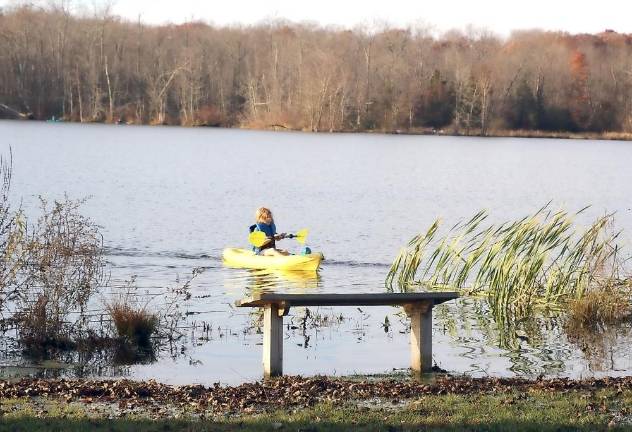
pixel 377 299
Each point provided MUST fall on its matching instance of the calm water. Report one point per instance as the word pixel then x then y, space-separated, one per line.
pixel 170 199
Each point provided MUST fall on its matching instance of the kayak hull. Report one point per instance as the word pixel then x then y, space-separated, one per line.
pixel 242 258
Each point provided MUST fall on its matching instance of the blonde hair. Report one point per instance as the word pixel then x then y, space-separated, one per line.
pixel 263 215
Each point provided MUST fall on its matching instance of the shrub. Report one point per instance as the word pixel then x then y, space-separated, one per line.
pixel 40 332
pixel 208 115
pixel 64 268
pixel 12 235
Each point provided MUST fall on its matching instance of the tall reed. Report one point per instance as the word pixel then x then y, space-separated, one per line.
pixel 539 259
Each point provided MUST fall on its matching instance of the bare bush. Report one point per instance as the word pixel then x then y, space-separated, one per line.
pixel 172 315
pixel 64 267
pixel 208 115
pixel 12 234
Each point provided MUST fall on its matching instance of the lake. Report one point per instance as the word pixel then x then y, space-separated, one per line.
pixel 170 199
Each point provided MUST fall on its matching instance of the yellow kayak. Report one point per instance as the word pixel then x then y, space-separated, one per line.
pixel 242 258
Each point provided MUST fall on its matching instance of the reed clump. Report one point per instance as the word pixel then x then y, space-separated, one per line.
pixel 539 260
pixel 607 304
pixel 133 323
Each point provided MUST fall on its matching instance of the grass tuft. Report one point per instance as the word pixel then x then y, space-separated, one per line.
pixel 133 323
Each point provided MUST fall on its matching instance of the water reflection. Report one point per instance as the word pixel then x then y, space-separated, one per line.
pixel 239 281
pixel 106 361
pixel 603 347
pixel 541 344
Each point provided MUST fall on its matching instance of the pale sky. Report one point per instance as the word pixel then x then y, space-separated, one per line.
pixel 499 16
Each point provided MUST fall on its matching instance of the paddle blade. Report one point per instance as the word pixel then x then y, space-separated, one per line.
pixel 257 238
pixel 301 236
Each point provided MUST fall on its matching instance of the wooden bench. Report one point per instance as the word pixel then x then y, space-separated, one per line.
pixel 418 307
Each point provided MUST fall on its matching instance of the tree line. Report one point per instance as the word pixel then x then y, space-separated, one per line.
pixel 102 68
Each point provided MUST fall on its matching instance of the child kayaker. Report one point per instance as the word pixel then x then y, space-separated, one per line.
pixel 265 223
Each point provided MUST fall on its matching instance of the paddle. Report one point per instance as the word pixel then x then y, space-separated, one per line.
pixel 258 238
pixel 300 236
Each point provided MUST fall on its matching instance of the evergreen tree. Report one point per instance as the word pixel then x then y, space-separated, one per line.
pixel 522 109
pixel 435 107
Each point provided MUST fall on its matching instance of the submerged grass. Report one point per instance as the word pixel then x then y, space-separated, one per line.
pixel 539 260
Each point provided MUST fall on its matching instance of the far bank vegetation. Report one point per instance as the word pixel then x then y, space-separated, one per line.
pixel 96 67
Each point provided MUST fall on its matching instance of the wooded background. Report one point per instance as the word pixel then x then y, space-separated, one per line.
pixel 303 76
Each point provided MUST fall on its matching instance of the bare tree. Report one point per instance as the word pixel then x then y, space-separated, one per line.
pixel 97 67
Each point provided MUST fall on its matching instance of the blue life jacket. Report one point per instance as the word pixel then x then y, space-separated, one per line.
pixel 269 231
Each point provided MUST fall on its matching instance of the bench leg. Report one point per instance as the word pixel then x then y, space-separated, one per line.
pixel 272 342
pixel 420 337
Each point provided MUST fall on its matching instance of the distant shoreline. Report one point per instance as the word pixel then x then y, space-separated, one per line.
pixel 501 133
